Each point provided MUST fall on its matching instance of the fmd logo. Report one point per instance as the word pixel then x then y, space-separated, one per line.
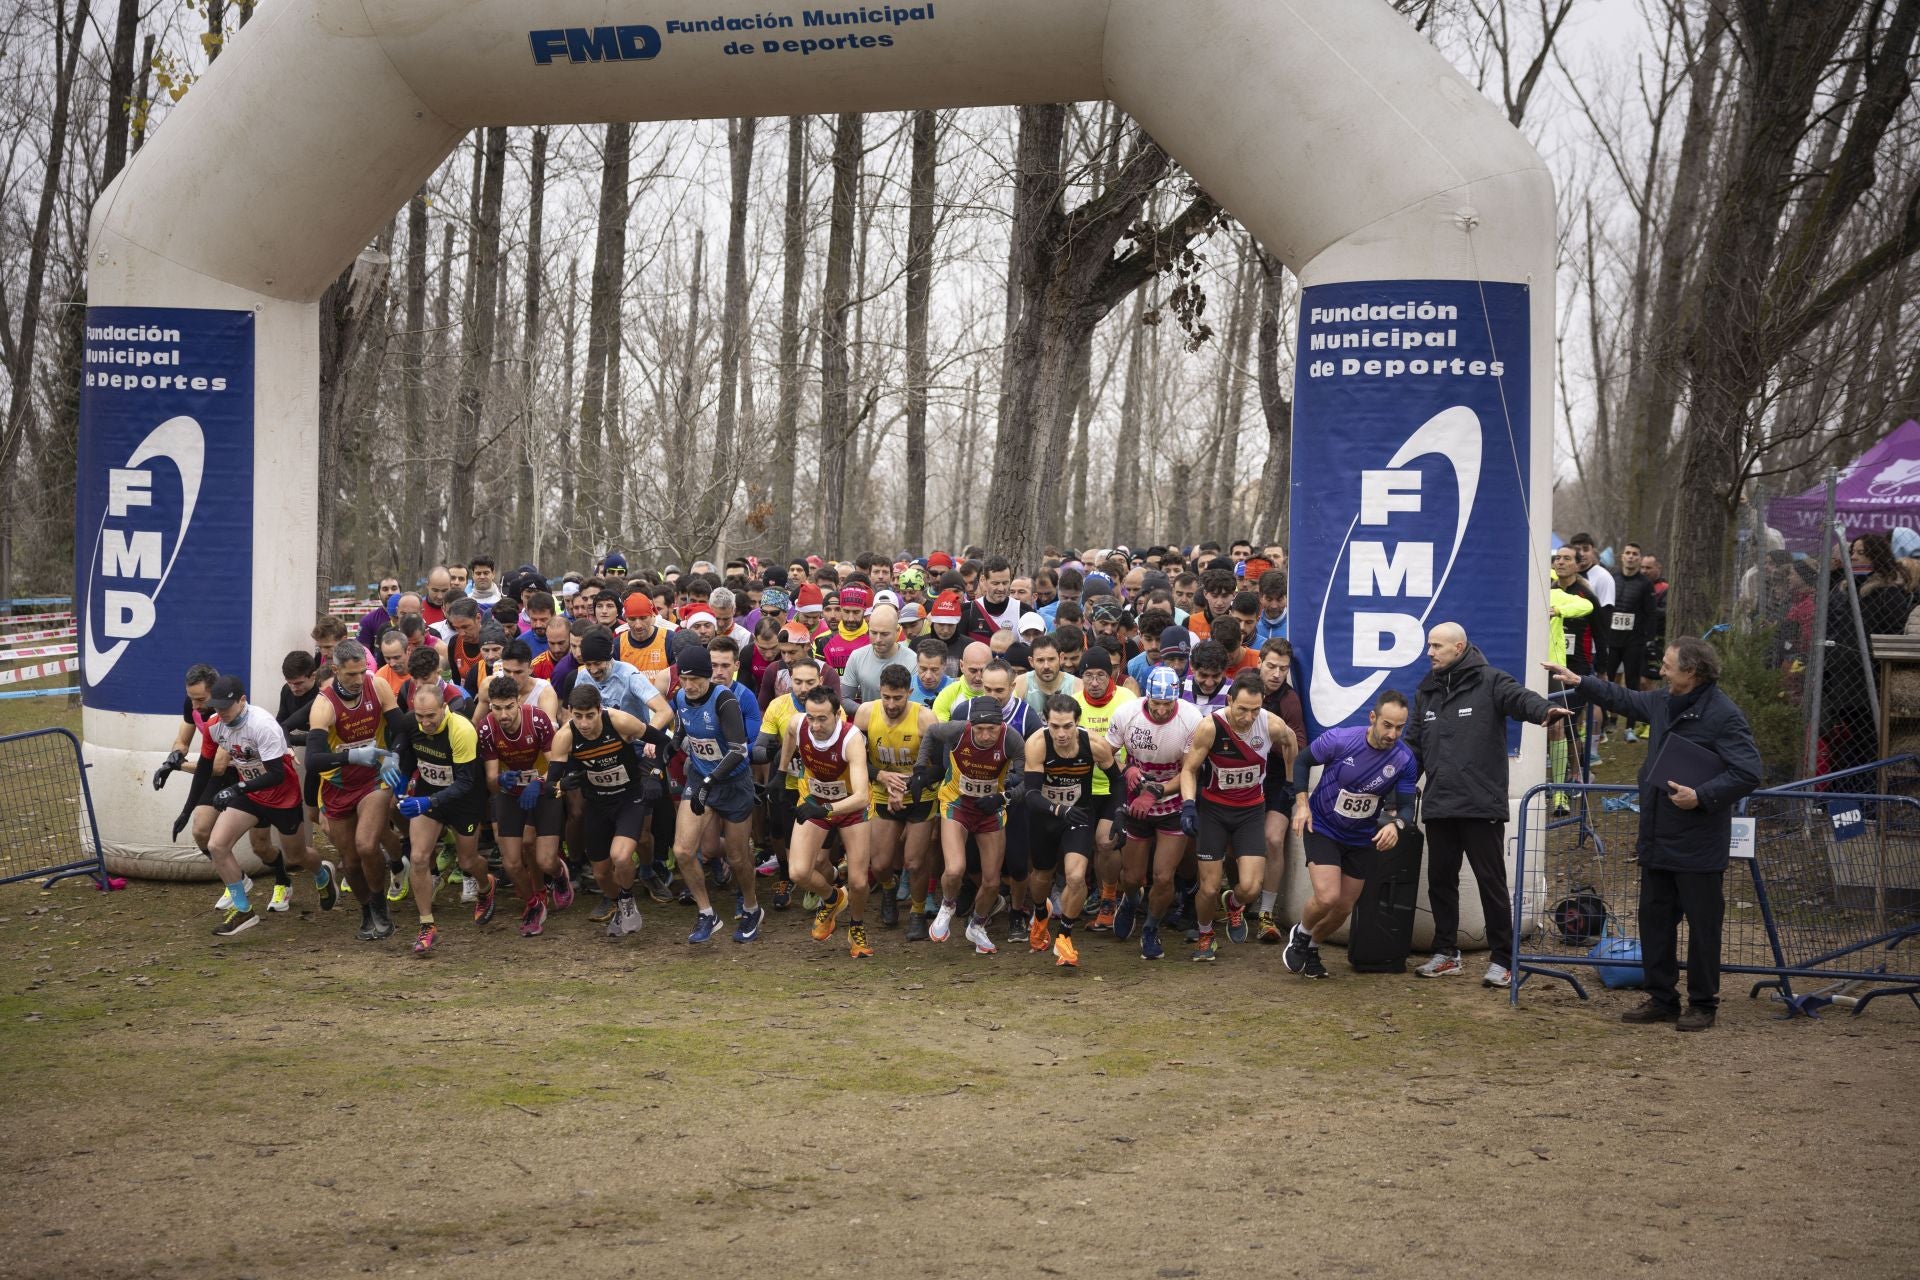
pixel 131 559
pixel 631 43
pixel 1384 579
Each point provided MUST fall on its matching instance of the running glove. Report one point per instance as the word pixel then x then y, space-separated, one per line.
pixel 697 797
pixel 509 779
pixel 991 804
pixel 173 761
pixel 390 774
pixel 530 794
pixel 415 806
pixel 1189 818
pixel 810 810
pixel 225 797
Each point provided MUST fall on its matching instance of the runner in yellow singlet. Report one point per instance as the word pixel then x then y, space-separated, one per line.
pixel 893 727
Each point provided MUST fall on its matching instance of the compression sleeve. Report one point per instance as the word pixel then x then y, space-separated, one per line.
pixel 1303 771
pixel 733 729
pixel 318 758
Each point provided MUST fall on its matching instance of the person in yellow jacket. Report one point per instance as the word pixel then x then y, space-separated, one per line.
pixel 1568 598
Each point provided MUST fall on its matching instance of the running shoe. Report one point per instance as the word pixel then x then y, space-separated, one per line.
pixel 1444 964
pixel 626 918
pixel 382 922
pixel 236 922
pixel 1065 956
pixel 770 866
pixel 942 927
pixel 282 899
pixel 1206 947
pixel 705 925
pixel 982 941
pixel 1150 948
pixel 1126 915
pixel 483 898
pixel 425 942
pixel 1020 927
pixel 889 910
pixel 562 889
pixel 366 922
pixel 1497 976
pixel 1103 920
pixel 1038 938
pixel 1314 969
pixel 722 872
pixel 225 900
pixel 604 912
pixel 827 918
pixel 1299 941
pixel 469 891
pixel 857 947
pixel 1236 916
pixel 916 926
pixel 747 928
pixel 330 891
pixel 400 881
pixel 809 902
pixel 1269 929
pixel 1631 735
pixel 782 894
pixel 534 919
pixel 659 887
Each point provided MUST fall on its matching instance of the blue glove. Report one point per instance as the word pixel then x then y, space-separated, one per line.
pixel 225 797
pixel 1189 818
pixel 390 774
pixel 530 795
pixel 414 806
pixel 509 779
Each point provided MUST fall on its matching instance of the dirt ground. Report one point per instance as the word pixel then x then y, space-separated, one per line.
pixel 299 1103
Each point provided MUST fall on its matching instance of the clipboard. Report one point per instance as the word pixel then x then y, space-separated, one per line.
pixel 1687 763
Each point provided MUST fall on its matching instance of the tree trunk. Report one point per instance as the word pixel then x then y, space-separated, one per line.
pixel 786 422
pixel 476 343
pixel 1126 448
pixel 569 429
pixel 716 503
pixel 526 447
pixel 413 389
pixel 1272 513
pixel 1069 274
pixel 603 302
pixel 836 412
pixel 143 106
pixel 119 91
pixel 1227 476
pixel 66 56
pixel 1076 532
pixel 920 194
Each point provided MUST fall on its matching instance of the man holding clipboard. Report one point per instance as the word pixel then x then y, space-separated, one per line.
pixel 1701 762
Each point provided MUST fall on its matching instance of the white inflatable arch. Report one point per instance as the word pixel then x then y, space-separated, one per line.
pixel 1420 224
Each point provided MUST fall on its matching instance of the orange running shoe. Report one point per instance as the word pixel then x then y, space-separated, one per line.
pixel 1103 921
pixel 1038 939
pixel 1065 956
pixel 827 918
pixel 857 942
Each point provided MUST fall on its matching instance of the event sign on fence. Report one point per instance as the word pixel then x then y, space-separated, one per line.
pixel 1410 427
pixel 164 553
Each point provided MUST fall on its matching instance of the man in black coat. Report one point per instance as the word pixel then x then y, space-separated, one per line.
pixel 1458 730
pixel 1685 832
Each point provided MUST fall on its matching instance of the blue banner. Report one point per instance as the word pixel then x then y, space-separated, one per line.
pixel 163 542
pixel 1410 433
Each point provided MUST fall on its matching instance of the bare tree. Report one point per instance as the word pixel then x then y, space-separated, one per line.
pixel 920 197
pixel 837 421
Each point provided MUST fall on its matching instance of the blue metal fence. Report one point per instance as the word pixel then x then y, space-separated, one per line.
pixel 47 827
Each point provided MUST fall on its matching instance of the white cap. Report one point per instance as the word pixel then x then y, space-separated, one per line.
pixel 884 596
pixel 1031 622
pixel 699 615
pixel 569 589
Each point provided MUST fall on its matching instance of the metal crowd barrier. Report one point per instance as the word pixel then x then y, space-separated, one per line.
pixel 47 827
pixel 1828 890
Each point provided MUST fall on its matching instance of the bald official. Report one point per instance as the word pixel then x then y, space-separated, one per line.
pixel 971 684
pixel 1458 731
pixel 860 681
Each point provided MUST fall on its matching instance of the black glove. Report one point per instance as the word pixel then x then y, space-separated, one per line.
pixel 179 825
pixel 173 761
pixel 697 795
pixel 760 794
pixel 810 809
pixel 918 782
pixel 225 797
pixel 991 804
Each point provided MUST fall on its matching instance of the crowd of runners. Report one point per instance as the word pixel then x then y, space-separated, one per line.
pixel 902 748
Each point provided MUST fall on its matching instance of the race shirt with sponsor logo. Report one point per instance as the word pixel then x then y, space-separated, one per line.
pixel 1356 779
pixel 522 752
pixel 251 741
pixel 1155 747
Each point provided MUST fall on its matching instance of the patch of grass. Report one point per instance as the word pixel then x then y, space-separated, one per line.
pixel 18 715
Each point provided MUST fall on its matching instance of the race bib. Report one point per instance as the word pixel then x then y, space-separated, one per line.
pixel 357 742
pixel 705 748
pixel 827 792
pixel 1238 779
pixel 978 788
pixel 1622 621
pixel 614 775
pixel 250 769
pixel 1060 795
pixel 1352 804
pixel 436 775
